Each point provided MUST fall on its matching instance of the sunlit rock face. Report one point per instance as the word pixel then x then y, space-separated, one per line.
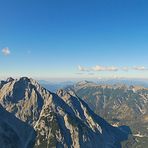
pixel 24 98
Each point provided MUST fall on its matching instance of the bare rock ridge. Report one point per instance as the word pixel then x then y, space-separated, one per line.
pixel 60 120
pixel 24 98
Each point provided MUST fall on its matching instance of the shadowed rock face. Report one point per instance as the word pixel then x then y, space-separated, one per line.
pixel 60 120
pixel 13 132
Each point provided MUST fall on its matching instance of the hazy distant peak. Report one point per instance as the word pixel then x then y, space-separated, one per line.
pixel 85 83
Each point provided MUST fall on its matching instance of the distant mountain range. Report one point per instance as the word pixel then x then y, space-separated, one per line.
pixel 119 104
pixel 32 116
pixel 55 85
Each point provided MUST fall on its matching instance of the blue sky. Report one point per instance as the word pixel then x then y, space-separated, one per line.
pixel 69 38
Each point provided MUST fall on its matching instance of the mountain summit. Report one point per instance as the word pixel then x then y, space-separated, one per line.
pixel 24 98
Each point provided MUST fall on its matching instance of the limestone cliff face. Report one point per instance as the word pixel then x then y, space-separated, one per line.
pixel 60 120
pixel 24 98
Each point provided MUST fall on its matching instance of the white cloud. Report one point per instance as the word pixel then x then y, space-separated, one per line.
pixel 98 68
pixel 140 68
pixel 5 51
pixel 110 68
pixel 104 68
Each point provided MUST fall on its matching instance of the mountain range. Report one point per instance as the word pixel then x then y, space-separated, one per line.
pixel 32 116
pixel 119 104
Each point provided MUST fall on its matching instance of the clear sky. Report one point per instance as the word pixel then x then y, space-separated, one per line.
pixel 74 38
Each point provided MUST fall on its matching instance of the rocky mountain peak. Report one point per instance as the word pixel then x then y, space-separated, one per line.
pixel 24 97
pixel 10 79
